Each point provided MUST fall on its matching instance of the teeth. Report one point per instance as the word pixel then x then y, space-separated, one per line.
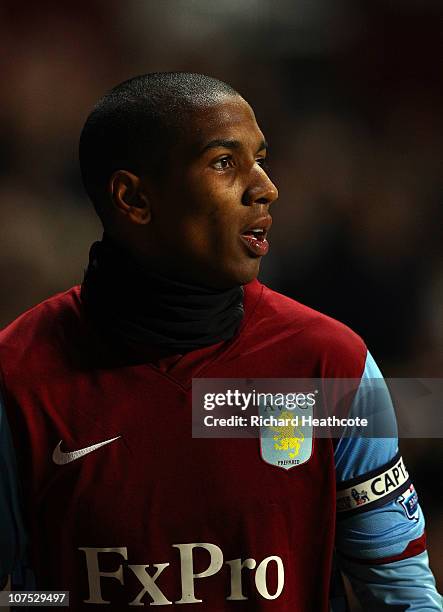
pixel 257 231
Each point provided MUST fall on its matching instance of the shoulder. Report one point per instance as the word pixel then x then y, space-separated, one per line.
pixel 41 325
pixel 341 351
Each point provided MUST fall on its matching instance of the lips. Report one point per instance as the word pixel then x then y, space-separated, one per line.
pixel 253 236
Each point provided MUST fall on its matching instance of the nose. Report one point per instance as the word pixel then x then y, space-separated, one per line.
pixel 261 190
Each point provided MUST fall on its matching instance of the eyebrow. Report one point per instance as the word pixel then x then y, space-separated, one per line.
pixel 230 144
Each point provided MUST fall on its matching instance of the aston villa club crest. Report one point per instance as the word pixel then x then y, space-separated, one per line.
pixel 286 436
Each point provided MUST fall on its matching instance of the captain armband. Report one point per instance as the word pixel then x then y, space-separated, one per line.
pixel 373 489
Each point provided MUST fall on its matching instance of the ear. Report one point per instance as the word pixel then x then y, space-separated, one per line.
pixel 129 196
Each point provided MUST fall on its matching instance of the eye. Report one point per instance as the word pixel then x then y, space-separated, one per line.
pixel 261 161
pixel 223 163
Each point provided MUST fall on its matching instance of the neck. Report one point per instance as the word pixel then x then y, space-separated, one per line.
pixel 138 310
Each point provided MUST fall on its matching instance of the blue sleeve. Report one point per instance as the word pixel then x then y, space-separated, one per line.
pixel 386 530
pixel 402 585
pixel 12 535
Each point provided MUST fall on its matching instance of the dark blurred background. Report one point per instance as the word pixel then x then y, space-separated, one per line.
pixel 350 96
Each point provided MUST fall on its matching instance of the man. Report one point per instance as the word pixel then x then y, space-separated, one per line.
pixel 122 506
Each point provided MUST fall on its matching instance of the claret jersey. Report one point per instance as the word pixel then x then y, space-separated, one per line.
pixel 124 508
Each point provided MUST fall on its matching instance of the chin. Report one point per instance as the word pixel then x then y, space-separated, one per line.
pixel 230 276
pixel 244 274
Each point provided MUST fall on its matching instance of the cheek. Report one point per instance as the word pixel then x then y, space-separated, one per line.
pixel 211 211
pixel 210 236
pixel 210 194
pixel 205 215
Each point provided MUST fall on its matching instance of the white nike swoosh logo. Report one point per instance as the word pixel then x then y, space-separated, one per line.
pixel 61 458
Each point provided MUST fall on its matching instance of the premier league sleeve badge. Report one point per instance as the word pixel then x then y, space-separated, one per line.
pixel 409 501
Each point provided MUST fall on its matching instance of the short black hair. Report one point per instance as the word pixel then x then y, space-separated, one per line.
pixel 134 125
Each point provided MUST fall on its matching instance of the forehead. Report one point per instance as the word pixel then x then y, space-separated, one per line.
pixel 229 118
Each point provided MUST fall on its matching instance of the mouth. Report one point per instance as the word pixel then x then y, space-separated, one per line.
pixel 254 236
